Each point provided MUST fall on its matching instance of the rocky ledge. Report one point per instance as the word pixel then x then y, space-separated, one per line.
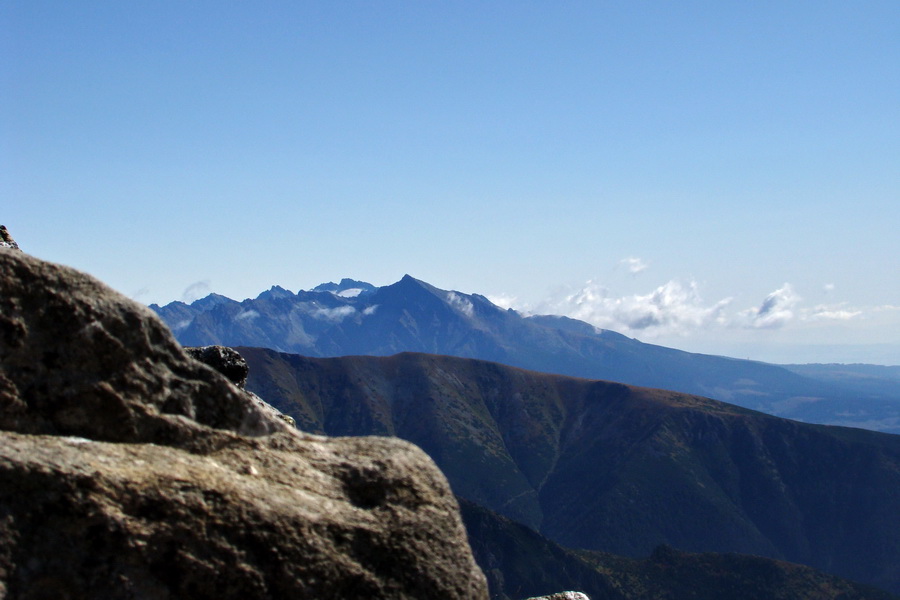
pixel 130 470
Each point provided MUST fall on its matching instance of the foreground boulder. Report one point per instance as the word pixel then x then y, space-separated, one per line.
pixel 130 470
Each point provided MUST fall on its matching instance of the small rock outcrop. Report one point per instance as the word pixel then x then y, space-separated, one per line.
pixel 225 360
pixel 232 365
pixel 6 240
pixel 130 470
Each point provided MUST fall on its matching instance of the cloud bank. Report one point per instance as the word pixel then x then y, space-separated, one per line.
pixel 671 308
pixel 334 315
pixel 677 308
pixel 775 311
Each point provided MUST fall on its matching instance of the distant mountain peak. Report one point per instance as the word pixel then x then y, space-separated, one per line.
pixel 408 282
pixel 274 292
pixel 347 288
pixel 211 300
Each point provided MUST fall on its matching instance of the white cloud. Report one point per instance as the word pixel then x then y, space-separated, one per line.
pixel 370 310
pixel 780 320
pixel 195 291
pixel 775 311
pixel 336 314
pixel 461 304
pixel 672 308
pixel 828 288
pixel 782 306
pixel 677 308
pixel 886 307
pixel 635 265
pixel 503 301
pixel 834 312
pixel 246 314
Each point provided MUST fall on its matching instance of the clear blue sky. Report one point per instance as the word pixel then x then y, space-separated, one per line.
pixel 715 176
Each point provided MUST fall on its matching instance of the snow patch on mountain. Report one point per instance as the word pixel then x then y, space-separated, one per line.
pixel 351 293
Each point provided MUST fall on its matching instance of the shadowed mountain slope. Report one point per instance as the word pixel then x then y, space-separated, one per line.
pixel 520 562
pixel 605 466
pixel 355 318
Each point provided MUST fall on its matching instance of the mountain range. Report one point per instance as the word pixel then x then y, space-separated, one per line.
pixel 602 466
pixel 356 318
pixel 579 444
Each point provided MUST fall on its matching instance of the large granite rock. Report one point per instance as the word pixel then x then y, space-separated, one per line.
pixel 130 470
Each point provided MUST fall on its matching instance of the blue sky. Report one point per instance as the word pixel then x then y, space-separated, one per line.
pixel 718 177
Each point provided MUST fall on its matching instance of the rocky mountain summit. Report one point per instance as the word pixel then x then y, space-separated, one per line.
pixel 130 470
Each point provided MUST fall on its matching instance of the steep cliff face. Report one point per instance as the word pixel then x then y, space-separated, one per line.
pixel 130 470
pixel 605 466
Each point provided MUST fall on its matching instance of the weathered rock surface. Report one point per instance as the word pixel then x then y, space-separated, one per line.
pixel 223 359
pixel 80 359
pixel 129 470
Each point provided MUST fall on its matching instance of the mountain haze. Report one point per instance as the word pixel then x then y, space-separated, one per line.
pixel 355 318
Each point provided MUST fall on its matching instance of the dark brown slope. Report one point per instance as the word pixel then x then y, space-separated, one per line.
pixel 610 467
